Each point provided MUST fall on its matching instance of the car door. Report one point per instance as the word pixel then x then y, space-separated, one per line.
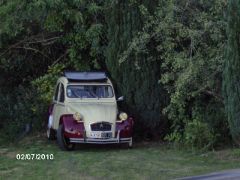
pixel 59 107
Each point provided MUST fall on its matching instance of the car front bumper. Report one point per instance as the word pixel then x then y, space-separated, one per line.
pixel 101 141
pixel 116 140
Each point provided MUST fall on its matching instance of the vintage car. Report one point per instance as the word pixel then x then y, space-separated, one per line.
pixel 84 110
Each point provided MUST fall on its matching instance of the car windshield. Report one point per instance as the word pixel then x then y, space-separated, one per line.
pixel 89 91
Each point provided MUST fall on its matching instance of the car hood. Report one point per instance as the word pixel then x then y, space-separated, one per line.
pixel 95 112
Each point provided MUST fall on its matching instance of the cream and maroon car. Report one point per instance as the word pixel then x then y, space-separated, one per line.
pixel 84 110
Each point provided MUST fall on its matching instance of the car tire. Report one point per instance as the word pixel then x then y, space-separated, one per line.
pixel 63 142
pixel 51 134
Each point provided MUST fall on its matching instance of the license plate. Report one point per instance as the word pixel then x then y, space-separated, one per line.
pixel 101 134
pixel 106 135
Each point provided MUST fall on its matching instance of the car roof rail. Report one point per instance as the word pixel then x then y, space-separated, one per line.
pixel 85 76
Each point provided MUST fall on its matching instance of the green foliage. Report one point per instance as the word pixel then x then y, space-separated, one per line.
pixel 175 138
pixel 185 40
pixel 198 135
pixel 193 55
pixel 136 73
pixel 40 39
pixel 45 84
pixel 18 109
pixel 231 75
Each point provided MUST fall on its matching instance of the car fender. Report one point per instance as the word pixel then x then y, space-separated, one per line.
pixel 72 128
pixel 125 127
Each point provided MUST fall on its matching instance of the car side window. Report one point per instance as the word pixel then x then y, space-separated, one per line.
pixel 56 93
pixel 62 97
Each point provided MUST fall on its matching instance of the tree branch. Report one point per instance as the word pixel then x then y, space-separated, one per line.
pixel 32 49
pixel 217 96
pixel 46 41
pixel 58 59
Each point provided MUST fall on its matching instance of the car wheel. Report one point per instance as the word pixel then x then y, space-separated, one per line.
pixel 63 142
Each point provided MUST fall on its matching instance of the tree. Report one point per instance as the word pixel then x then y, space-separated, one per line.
pixel 137 77
pixel 231 75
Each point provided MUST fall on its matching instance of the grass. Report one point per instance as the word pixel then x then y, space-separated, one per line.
pixel 144 161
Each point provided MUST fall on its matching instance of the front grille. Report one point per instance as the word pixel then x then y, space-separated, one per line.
pixel 102 126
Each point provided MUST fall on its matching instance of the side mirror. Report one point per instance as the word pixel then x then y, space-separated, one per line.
pixel 120 98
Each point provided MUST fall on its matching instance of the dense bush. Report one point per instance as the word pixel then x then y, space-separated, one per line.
pixel 21 112
pixel 198 135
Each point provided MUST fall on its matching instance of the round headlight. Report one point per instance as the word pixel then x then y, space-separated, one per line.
pixel 77 116
pixel 123 116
